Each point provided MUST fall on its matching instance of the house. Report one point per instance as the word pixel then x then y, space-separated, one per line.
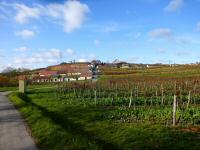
pixel 40 79
pixel 125 65
pixel 120 64
pixel 45 72
pixel 64 73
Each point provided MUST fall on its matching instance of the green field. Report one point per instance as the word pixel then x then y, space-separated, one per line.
pixel 62 124
pixel 84 115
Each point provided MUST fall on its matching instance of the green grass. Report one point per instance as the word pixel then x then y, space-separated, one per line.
pixel 29 87
pixel 59 124
pixel 3 89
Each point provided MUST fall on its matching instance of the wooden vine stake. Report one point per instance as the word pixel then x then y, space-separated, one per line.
pixel 130 102
pixel 174 110
pixel 194 101
pixel 162 94
pixel 156 94
pixel 189 97
pixel 111 101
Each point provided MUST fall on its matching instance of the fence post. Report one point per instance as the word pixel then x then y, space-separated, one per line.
pixel 174 110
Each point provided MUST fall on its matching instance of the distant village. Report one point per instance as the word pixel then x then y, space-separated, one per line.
pixel 75 71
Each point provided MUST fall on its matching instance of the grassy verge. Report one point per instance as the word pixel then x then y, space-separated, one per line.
pixel 29 87
pixel 58 124
pixel 3 89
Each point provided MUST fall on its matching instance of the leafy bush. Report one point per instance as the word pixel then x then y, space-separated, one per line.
pixel 5 81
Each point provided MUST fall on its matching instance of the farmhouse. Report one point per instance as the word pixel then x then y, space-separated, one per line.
pixel 120 64
pixel 64 72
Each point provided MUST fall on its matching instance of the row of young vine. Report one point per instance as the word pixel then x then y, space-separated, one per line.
pixel 129 101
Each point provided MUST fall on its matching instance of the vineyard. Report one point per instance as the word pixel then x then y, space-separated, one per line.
pixel 155 100
pixel 122 110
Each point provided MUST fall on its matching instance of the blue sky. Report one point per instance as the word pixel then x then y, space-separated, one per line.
pixel 40 33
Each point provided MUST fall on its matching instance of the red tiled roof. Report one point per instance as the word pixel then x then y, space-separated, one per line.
pixel 22 77
pixel 82 68
pixel 41 77
pixel 47 73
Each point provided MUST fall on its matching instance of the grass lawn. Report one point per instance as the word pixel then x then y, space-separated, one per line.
pixel 58 124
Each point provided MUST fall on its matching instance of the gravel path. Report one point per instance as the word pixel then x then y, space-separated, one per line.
pixel 13 133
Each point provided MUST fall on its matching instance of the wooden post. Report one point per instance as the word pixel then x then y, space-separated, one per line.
pixel 189 96
pixel 111 101
pixel 174 110
pixel 194 101
pixel 181 98
pixel 75 93
pixel 186 83
pixel 22 86
pixel 162 94
pixel 130 99
pixel 137 92
pixel 156 94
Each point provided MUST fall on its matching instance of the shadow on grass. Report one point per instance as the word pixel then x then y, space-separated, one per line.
pixel 69 126
pixel 141 136
pixel 32 91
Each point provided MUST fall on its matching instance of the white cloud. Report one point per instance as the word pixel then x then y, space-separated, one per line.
pixel 49 56
pixel 198 26
pixel 167 34
pixel 161 33
pixel 25 13
pixel 25 34
pixel 174 5
pixel 53 53
pixel 74 15
pixel 21 49
pixel 4 66
pixel 82 60
pixel 7 9
pixel 86 58
pixel 5 12
pixel 44 57
pixel 70 51
pixel 71 15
